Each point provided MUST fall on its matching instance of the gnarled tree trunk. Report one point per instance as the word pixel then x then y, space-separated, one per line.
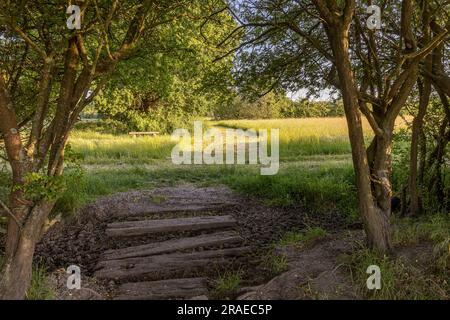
pixel 374 208
pixel 17 269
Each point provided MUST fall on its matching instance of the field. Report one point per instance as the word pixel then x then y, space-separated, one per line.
pixel 315 176
pixel 315 165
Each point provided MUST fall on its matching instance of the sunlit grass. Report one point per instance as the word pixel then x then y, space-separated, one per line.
pixel 298 137
pixel 97 147
pixel 306 137
pixel 315 165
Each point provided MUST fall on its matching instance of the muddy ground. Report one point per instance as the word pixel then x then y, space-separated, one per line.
pixel 81 240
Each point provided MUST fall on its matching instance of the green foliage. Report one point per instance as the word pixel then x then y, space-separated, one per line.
pixel 69 199
pixel 227 284
pixel 267 107
pixel 73 195
pixel 39 186
pixel 400 157
pixel 102 126
pixel 40 288
pixel 320 184
pixel 399 279
pixel 277 105
pixel 303 239
pixel 313 109
pixel 172 81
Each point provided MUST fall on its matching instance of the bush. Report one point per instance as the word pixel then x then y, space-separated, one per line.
pixel 267 107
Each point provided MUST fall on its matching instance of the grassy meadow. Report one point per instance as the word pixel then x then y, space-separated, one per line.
pixel 315 175
pixel 315 165
pixel 298 138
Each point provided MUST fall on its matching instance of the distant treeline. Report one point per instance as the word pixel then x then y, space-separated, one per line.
pixel 122 115
pixel 275 105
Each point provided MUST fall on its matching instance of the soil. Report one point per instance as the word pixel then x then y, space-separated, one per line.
pixel 313 272
pixel 82 239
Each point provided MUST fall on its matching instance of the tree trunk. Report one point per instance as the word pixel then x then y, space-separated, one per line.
pixel 375 217
pixel 16 272
pixel 425 93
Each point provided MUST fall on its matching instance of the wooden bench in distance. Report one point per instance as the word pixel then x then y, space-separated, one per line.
pixel 150 133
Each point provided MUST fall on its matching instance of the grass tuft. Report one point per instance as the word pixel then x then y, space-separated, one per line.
pixel 400 280
pixel 227 285
pixel 303 239
pixel 40 288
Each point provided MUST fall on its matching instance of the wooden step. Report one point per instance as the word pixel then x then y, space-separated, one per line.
pixel 155 267
pixel 149 227
pixel 204 240
pixel 163 290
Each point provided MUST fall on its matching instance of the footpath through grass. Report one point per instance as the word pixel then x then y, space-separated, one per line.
pixel 315 174
pixel 315 166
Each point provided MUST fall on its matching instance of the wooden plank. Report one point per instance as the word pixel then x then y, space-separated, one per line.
pixel 155 267
pixel 163 290
pixel 205 240
pixel 135 134
pixel 148 227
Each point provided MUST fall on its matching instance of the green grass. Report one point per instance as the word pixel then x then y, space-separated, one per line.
pixel 40 288
pixel 100 148
pixel 274 263
pixel 227 285
pixel 315 169
pixel 435 229
pixel 303 239
pixel 302 137
pixel 399 279
pixel 314 173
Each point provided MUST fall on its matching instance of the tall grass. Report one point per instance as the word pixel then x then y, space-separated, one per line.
pixel 308 136
pixel 98 148
pixel 40 288
pixel 319 189
pixel 303 137
pixel 315 166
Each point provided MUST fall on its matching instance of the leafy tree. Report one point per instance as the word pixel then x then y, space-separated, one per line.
pixel 168 84
pixel 48 75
